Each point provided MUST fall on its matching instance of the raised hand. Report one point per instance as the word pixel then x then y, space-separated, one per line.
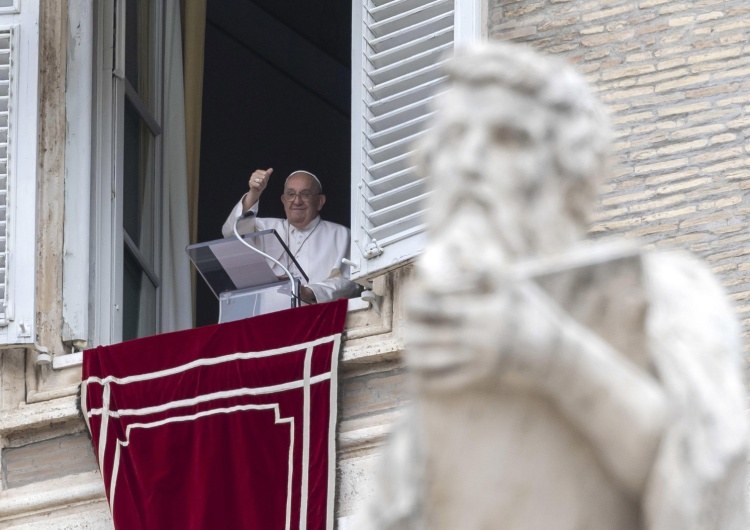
pixel 257 183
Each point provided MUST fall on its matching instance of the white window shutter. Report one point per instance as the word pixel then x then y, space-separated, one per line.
pixel 398 50
pixel 19 52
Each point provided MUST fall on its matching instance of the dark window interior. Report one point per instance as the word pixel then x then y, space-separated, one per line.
pixel 276 93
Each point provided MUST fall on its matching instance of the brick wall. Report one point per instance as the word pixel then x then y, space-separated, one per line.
pixel 676 78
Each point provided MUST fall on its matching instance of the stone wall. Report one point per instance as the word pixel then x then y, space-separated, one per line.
pixel 35 462
pixel 676 78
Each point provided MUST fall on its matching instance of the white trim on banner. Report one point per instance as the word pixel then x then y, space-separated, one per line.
pixel 212 361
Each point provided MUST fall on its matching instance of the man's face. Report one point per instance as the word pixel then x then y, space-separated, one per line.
pixel 302 200
pixel 494 182
pixel 491 151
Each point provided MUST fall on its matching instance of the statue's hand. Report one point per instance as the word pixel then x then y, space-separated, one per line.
pixel 457 339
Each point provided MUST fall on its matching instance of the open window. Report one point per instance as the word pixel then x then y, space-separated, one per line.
pixel 127 182
pixel 276 93
pixel 338 88
pixel 341 89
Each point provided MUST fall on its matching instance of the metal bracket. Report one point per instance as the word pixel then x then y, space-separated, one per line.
pixel 375 300
pixel 42 359
pixel 24 329
pixel 373 250
pixel 353 265
pixel 43 356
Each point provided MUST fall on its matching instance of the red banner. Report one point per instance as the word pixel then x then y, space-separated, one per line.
pixel 226 426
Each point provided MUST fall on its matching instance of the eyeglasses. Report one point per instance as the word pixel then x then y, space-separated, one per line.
pixel 305 196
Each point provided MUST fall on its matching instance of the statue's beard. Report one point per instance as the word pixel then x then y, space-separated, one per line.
pixel 475 237
pixel 471 240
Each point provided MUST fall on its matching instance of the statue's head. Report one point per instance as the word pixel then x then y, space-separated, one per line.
pixel 515 153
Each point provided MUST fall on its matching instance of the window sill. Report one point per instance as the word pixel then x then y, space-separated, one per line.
pixel 60 362
pixel 70 360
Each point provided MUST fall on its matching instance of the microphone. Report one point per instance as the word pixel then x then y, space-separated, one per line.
pixel 292 283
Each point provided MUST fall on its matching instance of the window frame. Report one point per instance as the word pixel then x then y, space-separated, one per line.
pixel 109 239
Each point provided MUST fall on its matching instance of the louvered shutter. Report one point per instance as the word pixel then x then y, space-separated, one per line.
pixel 19 50
pixel 398 56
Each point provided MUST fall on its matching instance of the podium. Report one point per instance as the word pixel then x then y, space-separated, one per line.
pixel 245 282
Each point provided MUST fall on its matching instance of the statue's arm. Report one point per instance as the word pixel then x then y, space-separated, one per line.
pixel 622 409
pixel 517 335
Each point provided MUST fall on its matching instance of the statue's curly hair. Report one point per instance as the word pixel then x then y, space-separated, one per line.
pixel 579 135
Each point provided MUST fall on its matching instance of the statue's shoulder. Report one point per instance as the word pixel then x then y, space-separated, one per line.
pixel 685 264
pixel 690 310
pixel 695 346
pixel 684 283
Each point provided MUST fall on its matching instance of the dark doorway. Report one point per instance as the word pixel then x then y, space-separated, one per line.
pixel 276 93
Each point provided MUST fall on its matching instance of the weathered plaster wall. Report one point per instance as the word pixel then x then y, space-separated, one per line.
pixel 674 75
pixel 51 189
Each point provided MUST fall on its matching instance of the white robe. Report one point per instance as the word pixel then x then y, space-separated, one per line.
pixel 319 248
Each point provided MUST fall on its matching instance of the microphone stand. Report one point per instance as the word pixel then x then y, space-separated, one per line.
pixel 292 282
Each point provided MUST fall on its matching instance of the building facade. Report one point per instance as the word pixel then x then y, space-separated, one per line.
pixel 86 260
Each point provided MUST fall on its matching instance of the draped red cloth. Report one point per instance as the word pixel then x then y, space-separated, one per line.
pixel 226 426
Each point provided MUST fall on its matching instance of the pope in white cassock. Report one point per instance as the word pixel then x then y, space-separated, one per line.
pixel 318 246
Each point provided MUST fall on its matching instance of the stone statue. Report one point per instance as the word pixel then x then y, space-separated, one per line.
pixel 559 384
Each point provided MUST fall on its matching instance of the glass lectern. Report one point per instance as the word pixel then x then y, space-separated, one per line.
pixel 246 283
